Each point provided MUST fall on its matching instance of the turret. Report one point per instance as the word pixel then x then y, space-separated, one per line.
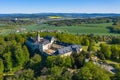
pixel 38 37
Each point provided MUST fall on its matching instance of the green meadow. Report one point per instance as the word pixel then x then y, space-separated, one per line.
pixel 97 29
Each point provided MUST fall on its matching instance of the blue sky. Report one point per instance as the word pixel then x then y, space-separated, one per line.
pixel 60 6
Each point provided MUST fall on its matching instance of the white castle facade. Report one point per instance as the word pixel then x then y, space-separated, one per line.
pixel 48 45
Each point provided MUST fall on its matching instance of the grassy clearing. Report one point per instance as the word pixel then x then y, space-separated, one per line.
pixel 111 62
pixel 85 48
pixel 97 25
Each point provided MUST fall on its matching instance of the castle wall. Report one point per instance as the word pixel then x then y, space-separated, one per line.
pixel 66 54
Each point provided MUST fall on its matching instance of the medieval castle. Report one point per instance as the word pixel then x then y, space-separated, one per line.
pixel 49 46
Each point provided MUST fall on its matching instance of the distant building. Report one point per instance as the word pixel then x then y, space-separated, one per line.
pixel 49 46
pixel 16 19
pixel 20 30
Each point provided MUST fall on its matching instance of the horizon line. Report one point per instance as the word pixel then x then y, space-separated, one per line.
pixel 64 13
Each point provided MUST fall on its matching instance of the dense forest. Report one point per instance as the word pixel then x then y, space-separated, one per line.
pixel 69 22
pixel 16 21
pixel 116 27
pixel 17 63
pixel 76 22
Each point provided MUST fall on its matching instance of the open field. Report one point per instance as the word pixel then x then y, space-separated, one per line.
pixel 55 17
pixel 97 29
pixel 5 29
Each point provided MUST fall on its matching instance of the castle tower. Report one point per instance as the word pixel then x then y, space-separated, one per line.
pixel 38 37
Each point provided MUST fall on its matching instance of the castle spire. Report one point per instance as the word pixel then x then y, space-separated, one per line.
pixel 38 37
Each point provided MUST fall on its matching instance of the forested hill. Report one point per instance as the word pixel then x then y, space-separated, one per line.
pixel 74 15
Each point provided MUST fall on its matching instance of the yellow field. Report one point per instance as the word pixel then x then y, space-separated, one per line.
pixel 55 17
